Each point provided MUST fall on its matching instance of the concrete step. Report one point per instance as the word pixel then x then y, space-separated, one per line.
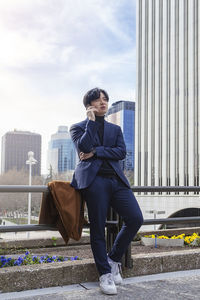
pixel 173 286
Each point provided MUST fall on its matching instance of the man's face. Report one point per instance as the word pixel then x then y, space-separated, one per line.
pixel 101 104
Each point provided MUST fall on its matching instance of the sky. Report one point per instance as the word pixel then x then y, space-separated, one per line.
pixel 53 51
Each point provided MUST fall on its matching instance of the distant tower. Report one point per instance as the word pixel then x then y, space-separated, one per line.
pixel 61 151
pixel 122 113
pixel 15 147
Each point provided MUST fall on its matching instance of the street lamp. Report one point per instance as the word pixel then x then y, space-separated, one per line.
pixel 31 161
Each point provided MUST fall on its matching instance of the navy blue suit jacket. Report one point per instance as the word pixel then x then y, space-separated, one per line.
pixel 85 137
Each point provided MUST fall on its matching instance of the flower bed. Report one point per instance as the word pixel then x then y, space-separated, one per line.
pixel 175 240
pixel 29 259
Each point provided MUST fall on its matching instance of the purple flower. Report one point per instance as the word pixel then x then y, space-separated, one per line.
pixel 34 258
pixel 24 260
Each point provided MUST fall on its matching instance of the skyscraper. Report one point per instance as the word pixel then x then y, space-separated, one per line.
pixel 14 151
pixel 168 98
pixel 122 113
pixel 61 151
pixel 167 130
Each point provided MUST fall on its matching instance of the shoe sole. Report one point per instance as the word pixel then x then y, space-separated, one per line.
pixel 108 293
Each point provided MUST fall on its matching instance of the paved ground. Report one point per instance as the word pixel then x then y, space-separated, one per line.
pixel 175 286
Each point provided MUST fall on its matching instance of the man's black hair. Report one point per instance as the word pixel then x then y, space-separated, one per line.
pixel 93 94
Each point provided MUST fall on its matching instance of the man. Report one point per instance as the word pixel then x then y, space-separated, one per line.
pixel 102 183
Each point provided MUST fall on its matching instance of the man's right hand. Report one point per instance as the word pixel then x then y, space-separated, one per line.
pixel 91 112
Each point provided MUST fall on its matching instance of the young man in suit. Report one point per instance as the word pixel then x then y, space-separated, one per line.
pixel 102 183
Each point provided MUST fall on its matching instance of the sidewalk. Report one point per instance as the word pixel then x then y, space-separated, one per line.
pixel 174 285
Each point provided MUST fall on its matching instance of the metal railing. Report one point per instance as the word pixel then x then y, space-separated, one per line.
pixel 110 223
pixel 144 189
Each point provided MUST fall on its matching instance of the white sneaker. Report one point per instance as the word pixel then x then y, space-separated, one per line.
pixel 115 270
pixel 107 284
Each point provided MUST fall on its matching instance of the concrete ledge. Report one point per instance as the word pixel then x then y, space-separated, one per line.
pixel 170 232
pixel 48 242
pixel 39 243
pixel 146 241
pixel 46 275
pixel 64 273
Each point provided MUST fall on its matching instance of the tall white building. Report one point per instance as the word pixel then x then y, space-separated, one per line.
pixel 167 128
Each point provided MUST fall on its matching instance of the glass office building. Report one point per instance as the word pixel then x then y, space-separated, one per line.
pixel 61 151
pixel 122 113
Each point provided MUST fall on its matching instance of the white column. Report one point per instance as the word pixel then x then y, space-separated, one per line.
pixel 191 89
pixel 150 88
pixel 143 90
pixel 137 93
pixel 181 92
pixel 199 82
pixel 196 161
pixel 172 94
pixel 157 99
pixel 164 94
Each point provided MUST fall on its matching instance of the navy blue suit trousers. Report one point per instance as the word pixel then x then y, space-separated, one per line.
pixel 100 195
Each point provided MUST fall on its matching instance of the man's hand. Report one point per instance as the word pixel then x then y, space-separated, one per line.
pixel 84 156
pixel 91 112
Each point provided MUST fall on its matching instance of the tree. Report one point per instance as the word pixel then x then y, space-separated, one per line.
pixel 18 201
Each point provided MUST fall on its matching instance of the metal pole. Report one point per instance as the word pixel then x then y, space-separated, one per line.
pixel 155 218
pixel 29 195
pixel 29 200
pixel 31 161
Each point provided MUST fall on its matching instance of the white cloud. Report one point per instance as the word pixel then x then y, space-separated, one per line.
pixel 53 51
